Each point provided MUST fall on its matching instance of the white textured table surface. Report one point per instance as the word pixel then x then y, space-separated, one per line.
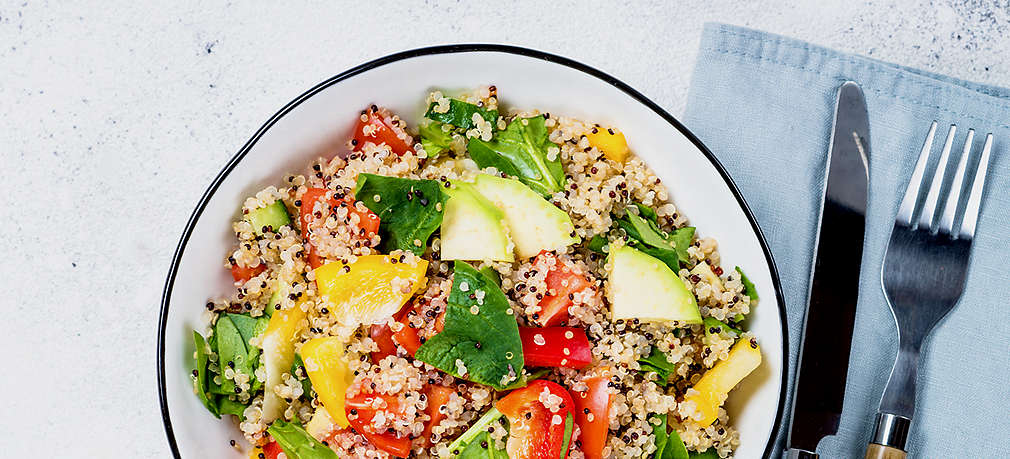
pixel 115 117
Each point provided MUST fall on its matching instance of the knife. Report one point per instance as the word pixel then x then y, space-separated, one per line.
pixel 834 282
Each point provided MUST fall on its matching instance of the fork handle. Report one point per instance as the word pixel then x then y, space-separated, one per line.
pixel 889 436
pixel 875 451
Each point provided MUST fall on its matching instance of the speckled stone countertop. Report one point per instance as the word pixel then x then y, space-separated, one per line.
pixel 114 118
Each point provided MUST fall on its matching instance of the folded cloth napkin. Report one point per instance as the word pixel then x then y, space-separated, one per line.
pixel 764 105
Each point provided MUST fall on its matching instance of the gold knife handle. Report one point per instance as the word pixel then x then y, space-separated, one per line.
pixel 875 451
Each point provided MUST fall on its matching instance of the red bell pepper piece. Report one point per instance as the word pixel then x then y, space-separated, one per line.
pixel 438 396
pixel 360 412
pixel 242 274
pixel 555 347
pixel 563 282
pixel 272 450
pixel 378 128
pixel 535 432
pixel 592 415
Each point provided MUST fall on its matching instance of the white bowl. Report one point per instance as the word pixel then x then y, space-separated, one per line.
pixel 313 123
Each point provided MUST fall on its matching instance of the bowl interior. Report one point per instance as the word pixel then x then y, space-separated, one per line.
pixel 316 122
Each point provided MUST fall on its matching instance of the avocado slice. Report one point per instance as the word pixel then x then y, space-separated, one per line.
pixel 472 227
pixel 271 217
pixel 534 223
pixel 643 287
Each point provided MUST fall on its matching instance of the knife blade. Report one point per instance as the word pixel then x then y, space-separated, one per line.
pixel 823 363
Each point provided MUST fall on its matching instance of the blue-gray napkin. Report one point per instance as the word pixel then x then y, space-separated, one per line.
pixel 764 105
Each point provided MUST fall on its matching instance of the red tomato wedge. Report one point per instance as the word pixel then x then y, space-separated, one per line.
pixel 377 126
pixel 438 396
pixel 360 411
pixel 383 337
pixel 272 450
pixel 592 415
pixel 387 339
pixel 242 274
pixel 535 432
pixel 563 282
pixel 555 347
pixel 367 220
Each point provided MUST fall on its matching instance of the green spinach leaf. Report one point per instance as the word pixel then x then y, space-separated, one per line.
pixel 748 286
pixel 297 443
pixel 475 430
pixel 409 210
pixel 598 244
pixel 521 151
pixel 460 114
pixel 657 362
pixel 715 326
pixel 228 406
pixel 482 447
pixel 433 139
pixel 480 333
pixel 569 426
pixel 668 445
pixel 670 248
pixel 231 351
pixel 490 273
pixel 707 454
pixel 202 350
pixel 299 373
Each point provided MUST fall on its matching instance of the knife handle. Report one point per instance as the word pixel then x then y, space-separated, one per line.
pixel 875 451
pixel 889 436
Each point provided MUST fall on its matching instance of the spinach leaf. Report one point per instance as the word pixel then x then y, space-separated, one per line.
pixel 482 447
pixel 231 350
pixel 707 454
pixel 647 212
pixel 682 240
pixel 657 362
pixel 202 350
pixel 433 139
pixel 748 286
pixel 569 426
pixel 598 244
pixel 521 151
pixel 668 445
pixel 460 114
pixel 228 406
pixel 409 210
pixel 715 326
pixel 299 373
pixel 479 427
pixel 480 333
pixel 491 274
pixel 668 248
pixel 297 443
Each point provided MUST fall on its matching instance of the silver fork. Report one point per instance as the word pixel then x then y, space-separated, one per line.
pixel 924 272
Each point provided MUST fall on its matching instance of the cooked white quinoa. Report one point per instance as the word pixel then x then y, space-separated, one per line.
pixel 596 189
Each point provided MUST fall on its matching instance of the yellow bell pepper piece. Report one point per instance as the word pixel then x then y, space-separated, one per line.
pixel 610 141
pixel 716 383
pixel 324 362
pixel 371 289
pixel 278 344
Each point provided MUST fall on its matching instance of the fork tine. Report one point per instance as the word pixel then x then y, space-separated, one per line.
pixel 950 208
pixel 933 195
pixel 907 207
pixel 975 198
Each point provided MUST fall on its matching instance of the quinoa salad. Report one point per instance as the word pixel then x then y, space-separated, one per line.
pixel 493 282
